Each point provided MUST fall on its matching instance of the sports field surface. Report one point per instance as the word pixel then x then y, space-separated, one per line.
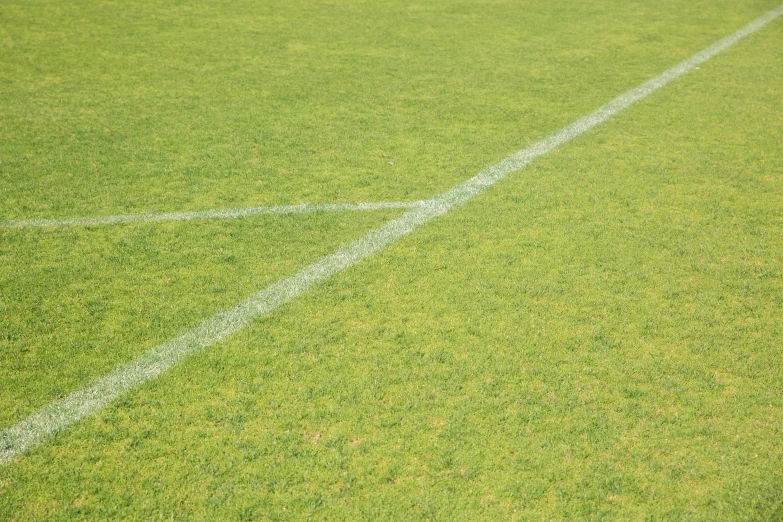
pixel 389 260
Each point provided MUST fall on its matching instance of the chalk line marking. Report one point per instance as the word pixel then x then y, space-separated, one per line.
pixel 52 418
pixel 227 213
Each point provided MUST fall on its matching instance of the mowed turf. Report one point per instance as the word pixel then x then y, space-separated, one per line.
pixel 596 337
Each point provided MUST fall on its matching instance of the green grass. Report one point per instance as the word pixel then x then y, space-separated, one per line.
pixel 77 301
pixel 597 337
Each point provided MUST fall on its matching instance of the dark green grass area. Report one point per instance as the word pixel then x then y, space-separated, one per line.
pixel 597 337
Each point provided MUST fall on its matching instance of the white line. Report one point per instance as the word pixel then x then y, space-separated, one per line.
pixel 52 418
pixel 227 213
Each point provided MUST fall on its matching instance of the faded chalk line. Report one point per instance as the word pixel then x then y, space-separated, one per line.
pixel 227 213
pixel 52 418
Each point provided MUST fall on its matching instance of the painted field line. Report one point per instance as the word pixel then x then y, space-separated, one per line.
pixel 52 418
pixel 226 213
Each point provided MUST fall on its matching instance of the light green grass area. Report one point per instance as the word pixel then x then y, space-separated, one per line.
pixel 597 337
pixel 112 107
pixel 78 301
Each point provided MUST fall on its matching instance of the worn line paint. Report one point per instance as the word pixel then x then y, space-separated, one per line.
pixel 227 213
pixel 52 418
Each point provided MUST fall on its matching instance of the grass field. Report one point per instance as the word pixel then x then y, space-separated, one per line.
pixel 598 336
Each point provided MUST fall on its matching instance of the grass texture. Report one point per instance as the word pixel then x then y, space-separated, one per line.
pixel 597 337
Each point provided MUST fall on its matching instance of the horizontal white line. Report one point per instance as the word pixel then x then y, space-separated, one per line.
pixel 227 213
pixel 48 420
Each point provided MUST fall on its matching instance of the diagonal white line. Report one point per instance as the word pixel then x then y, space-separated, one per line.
pixel 226 213
pixel 48 420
